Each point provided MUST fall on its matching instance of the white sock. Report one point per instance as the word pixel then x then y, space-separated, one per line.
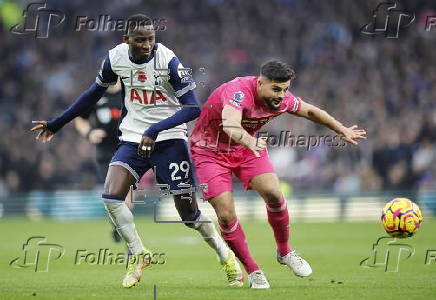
pixel 122 217
pixel 211 236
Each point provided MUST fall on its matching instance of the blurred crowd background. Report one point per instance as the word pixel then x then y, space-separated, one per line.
pixel 386 86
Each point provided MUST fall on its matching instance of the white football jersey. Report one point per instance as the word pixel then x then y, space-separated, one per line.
pixel 150 90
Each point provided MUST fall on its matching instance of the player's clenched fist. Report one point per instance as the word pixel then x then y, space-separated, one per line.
pixel 44 135
pixel 146 146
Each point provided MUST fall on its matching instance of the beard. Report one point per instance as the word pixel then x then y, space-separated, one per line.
pixel 273 103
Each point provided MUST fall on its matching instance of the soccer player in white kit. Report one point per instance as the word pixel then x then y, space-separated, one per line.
pixel 152 133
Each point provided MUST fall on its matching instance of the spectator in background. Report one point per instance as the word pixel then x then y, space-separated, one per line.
pixel 388 85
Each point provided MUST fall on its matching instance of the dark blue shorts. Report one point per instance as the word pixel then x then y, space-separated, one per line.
pixel 170 159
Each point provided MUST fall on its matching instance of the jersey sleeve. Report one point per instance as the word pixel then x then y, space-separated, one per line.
pixel 180 78
pixel 294 104
pixel 235 97
pixel 106 76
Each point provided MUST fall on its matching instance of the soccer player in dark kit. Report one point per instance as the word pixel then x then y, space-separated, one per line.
pixel 152 133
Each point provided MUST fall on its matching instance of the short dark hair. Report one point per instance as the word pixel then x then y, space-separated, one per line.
pixel 136 21
pixel 277 71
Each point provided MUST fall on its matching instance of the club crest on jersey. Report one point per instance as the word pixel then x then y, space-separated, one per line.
pixel 141 76
pixel 237 98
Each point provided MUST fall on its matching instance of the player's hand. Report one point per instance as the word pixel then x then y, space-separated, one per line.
pixel 146 146
pixel 95 136
pixel 353 134
pixel 44 134
pixel 257 145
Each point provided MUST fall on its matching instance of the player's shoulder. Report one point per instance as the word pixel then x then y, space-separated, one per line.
pixel 118 52
pixel 163 54
pixel 239 91
pixel 244 85
pixel 161 48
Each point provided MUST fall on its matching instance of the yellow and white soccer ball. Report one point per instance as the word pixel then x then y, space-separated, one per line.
pixel 401 218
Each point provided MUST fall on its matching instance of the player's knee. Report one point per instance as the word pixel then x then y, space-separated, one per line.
pixel 115 190
pixel 225 217
pixel 271 195
pixel 118 182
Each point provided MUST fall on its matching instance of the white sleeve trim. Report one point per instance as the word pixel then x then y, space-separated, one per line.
pixel 296 104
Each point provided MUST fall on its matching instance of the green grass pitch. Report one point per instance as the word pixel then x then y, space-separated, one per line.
pixel 192 271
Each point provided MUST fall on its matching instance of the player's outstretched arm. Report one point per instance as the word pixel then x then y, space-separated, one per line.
pixel 83 103
pixel 231 119
pixel 349 134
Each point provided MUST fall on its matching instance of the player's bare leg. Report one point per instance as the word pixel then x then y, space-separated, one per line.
pixel 268 187
pixel 187 208
pixel 116 188
pixel 233 234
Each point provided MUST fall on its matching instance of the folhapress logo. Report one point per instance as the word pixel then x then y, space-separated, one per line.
pixel 388 20
pixel 37 254
pixel 387 254
pixel 38 19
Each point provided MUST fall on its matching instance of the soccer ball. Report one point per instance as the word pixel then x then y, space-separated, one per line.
pixel 401 218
